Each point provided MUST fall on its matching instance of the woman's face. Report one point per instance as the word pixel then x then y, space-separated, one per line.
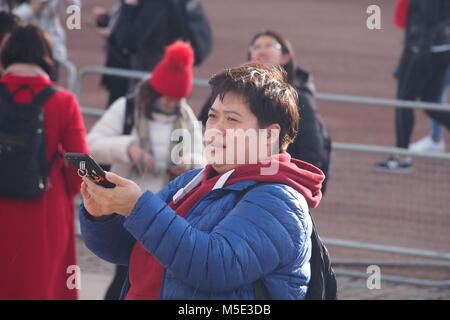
pixel 232 135
pixel 169 102
pixel 267 50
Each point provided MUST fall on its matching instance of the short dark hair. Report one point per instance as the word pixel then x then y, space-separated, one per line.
pixel 146 97
pixel 8 22
pixel 270 98
pixel 286 47
pixel 29 44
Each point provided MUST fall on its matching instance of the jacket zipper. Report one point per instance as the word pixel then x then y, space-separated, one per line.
pixel 193 207
pixel 165 271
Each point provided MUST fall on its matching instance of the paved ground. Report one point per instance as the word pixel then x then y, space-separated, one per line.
pixel 331 40
pixel 96 276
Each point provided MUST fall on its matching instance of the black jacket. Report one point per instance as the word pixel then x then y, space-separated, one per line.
pixel 144 31
pixel 307 146
pixel 428 24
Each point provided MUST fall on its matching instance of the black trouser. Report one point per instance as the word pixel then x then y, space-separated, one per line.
pixel 419 78
pixel 113 292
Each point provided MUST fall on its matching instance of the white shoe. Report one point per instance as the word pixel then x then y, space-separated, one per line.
pixel 426 144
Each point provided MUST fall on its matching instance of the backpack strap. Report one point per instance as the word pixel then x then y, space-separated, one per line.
pixel 260 289
pixel 5 94
pixel 44 95
pixel 129 115
pixel 38 99
pixel 21 87
pixel 246 190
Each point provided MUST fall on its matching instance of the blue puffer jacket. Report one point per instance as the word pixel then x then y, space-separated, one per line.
pixel 218 249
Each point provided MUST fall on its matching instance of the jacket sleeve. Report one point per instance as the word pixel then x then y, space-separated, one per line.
pixel 263 232
pixel 106 140
pixel 109 239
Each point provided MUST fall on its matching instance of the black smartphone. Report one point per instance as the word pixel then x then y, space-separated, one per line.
pixel 86 166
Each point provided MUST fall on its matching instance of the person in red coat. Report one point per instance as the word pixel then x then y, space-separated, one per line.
pixel 37 237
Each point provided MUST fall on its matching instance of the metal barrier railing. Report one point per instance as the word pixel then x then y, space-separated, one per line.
pixel 132 74
pixel 338 146
pixel 71 72
pixel 369 101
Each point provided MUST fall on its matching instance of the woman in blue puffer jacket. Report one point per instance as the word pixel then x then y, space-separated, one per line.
pixel 194 240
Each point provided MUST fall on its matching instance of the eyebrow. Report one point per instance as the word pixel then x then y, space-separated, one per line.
pixel 227 111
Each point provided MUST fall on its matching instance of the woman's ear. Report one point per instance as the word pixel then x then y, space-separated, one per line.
pixel 285 58
pixel 273 137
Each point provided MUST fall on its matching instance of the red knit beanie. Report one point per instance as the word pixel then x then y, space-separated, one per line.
pixel 172 76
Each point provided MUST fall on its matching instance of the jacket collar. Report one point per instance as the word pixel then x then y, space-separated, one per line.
pixel 25 70
pixel 196 181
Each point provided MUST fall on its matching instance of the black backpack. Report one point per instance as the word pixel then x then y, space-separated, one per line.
pixel 194 26
pixel 326 151
pixel 24 169
pixel 322 284
pixel 128 122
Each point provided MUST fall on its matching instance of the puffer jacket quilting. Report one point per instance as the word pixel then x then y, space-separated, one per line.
pixel 217 251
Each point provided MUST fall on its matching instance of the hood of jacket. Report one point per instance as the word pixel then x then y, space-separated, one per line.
pixel 303 81
pixel 302 176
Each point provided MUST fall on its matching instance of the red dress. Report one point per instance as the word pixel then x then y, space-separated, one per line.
pixel 37 237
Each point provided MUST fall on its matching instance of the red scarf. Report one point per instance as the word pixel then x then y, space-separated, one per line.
pixel 145 272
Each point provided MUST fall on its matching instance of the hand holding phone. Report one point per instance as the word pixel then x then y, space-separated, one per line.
pixel 86 166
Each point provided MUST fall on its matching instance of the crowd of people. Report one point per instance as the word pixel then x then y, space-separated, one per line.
pixel 208 220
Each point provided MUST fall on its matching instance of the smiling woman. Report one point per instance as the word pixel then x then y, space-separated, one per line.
pixel 192 240
pixel 246 119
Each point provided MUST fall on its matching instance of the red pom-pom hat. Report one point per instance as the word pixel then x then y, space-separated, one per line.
pixel 173 75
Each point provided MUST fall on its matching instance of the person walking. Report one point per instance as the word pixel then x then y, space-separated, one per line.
pixel 116 56
pixel 434 142
pixel 8 22
pixel 421 70
pixel 37 236
pixel 144 28
pixel 46 14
